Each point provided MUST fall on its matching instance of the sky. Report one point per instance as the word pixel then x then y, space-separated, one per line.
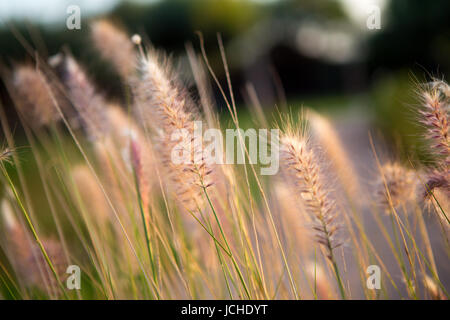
pixel 50 11
pixel 54 11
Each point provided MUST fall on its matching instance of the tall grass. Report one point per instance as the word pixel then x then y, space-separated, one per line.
pixel 94 186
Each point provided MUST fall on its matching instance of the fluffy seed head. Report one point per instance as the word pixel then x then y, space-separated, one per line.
pixel 114 44
pixel 300 162
pixel 396 183
pixel 434 116
pixel 34 100
pixel 164 106
pixel 88 104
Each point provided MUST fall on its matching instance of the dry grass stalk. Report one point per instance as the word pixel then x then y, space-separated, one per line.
pixel 183 263
pixel 141 179
pixel 91 195
pixel 297 221
pixel 319 280
pixel 123 135
pixel 203 87
pixel 323 130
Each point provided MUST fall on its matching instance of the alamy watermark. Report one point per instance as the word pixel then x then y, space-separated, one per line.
pixel 74 279
pixel 212 147
pixel 73 21
pixel 374 279
pixel 373 21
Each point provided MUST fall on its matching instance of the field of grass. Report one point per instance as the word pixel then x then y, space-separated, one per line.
pixel 93 184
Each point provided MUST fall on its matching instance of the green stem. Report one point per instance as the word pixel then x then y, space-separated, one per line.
pixel 333 261
pixel 338 276
pixel 241 278
pixel 147 237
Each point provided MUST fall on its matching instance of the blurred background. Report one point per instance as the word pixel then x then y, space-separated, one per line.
pixel 321 54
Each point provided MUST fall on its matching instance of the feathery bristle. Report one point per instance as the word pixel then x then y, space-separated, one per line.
pixel 115 45
pixel 6 154
pixel 437 193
